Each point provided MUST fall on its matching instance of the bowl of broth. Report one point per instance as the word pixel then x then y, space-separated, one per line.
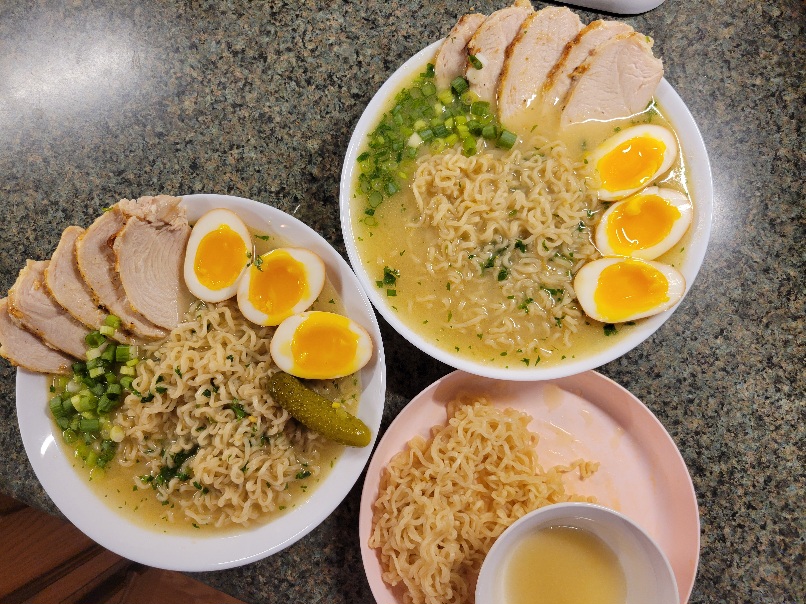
pixel 501 306
pixel 576 552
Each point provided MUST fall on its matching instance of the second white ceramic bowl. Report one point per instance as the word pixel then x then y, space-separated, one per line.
pixel 698 171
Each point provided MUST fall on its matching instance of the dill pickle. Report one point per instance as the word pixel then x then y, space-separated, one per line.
pixel 317 413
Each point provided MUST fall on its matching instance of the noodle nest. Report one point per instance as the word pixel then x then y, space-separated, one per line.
pixel 442 502
pixel 208 381
pixel 507 230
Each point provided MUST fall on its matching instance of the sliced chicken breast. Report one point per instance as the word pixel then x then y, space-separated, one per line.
pixel 575 52
pixel 150 259
pixel 22 348
pixel 33 308
pixel 451 59
pixel 489 45
pixel 68 288
pixel 618 79
pixel 158 209
pixel 531 55
pixel 96 262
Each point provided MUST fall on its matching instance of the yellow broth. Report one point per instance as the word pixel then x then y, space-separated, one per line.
pixel 386 241
pixel 121 488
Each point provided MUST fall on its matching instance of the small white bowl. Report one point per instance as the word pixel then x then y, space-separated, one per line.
pixel 648 574
pixel 698 171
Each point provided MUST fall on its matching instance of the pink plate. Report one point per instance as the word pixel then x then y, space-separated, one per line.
pixel 641 475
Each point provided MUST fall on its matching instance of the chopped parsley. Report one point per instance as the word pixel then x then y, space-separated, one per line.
pixel 390 275
pixel 237 409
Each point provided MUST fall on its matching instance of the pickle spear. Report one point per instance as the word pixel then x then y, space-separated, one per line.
pixel 317 413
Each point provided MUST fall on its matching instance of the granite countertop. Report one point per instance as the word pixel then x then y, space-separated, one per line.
pixel 258 99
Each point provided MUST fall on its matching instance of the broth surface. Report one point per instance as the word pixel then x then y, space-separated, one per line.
pixel 424 301
pixel 563 565
pixel 120 487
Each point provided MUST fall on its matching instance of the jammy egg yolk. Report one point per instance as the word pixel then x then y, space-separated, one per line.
pixel 630 287
pixel 220 258
pixel 324 344
pixel 640 223
pixel 632 164
pixel 278 284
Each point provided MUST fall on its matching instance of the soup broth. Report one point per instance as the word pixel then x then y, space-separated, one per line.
pixel 122 485
pixel 563 565
pixel 435 297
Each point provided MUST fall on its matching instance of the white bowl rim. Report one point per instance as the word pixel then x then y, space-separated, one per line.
pixel 82 506
pixel 701 185
pixel 557 513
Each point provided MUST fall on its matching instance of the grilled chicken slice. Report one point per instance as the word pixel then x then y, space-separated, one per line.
pixel 489 45
pixel 575 52
pixel 68 288
pixel 534 51
pixel 22 348
pixel 150 259
pixel 96 262
pixel 451 59
pixel 618 79
pixel 159 209
pixel 33 308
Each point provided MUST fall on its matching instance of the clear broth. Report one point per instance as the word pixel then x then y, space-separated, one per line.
pixel 563 565
pixel 120 487
pixel 390 243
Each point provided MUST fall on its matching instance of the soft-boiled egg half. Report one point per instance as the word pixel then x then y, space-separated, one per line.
pixel 280 283
pixel 614 290
pixel 633 159
pixel 218 251
pixel 320 345
pixel 644 225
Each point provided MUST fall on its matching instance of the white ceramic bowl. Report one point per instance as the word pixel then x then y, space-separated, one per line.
pixel 700 184
pixel 69 490
pixel 648 575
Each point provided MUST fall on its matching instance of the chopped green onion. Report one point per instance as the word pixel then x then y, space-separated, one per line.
pixel 112 321
pixel 480 108
pixel 123 353
pixel 107 330
pixel 94 339
pixel 441 131
pixel 507 139
pixel 105 404
pixel 426 134
pixel 116 433
pixel 126 370
pixel 96 371
pixel 56 406
pixel 459 85
pixel 475 62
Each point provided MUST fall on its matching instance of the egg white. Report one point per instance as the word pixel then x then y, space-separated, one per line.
pixel 283 356
pixel 209 222
pixel 679 226
pixel 314 269
pixel 586 284
pixel 644 130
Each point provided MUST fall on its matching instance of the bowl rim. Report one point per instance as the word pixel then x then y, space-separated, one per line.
pixel 83 506
pixel 701 186
pixel 554 515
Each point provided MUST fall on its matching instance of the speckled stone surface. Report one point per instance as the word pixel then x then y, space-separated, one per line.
pixel 103 100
